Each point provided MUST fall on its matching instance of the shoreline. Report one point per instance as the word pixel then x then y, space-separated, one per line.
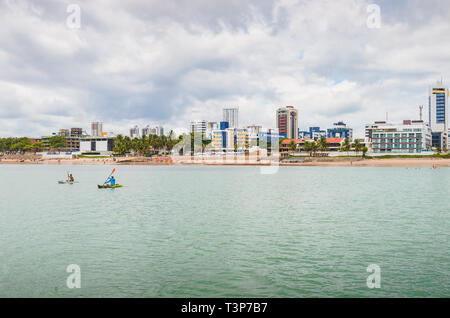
pixel 311 162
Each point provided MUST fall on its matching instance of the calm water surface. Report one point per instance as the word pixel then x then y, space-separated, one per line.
pixel 225 232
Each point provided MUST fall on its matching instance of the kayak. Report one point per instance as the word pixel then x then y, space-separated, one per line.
pixel 109 186
pixel 68 182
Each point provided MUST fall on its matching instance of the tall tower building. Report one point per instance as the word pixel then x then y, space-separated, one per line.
pixel 287 122
pixel 96 128
pixel 199 126
pixel 438 114
pixel 231 115
pixel 134 132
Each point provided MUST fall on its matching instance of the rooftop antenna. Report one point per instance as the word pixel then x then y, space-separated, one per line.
pixel 421 111
pixel 387 117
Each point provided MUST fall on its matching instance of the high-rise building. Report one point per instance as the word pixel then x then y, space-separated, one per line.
pixel 231 115
pixel 254 129
pixel 147 130
pixel 287 122
pixel 64 132
pixel 198 126
pixel 96 128
pixel 438 114
pixel 134 131
pixel 76 132
pixel 340 130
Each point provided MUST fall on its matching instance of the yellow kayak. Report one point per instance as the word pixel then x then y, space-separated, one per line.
pixel 109 186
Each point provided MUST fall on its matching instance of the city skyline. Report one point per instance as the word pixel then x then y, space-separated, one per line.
pixel 321 57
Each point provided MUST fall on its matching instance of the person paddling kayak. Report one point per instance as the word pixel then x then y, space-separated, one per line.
pixel 71 179
pixel 111 181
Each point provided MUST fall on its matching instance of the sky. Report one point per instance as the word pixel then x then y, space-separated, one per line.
pixel 169 62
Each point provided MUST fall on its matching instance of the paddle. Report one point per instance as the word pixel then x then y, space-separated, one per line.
pixel 109 176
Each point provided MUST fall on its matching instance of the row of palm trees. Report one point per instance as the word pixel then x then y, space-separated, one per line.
pixel 321 145
pixel 146 145
pixel 357 146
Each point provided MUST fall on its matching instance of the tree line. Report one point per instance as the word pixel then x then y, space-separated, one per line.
pixel 312 147
pixel 145 145
pixel 21 145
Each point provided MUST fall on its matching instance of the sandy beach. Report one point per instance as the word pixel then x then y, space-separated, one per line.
pixel 321 162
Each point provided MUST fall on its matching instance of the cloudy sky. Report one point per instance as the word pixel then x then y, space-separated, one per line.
pixel 169 62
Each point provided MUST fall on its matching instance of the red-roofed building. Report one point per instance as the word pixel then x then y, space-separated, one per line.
pixel 334 143
pixel 286 144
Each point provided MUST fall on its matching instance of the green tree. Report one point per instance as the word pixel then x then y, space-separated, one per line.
pixel 292 146
pixel 358 146
pixel 364 151
pixel 21 144
pixel 311 147
pixel 57 142
pixel 322 143
pixel 346 145
pixel 119 145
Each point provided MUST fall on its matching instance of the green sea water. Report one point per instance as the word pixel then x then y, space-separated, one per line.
pixel 225 231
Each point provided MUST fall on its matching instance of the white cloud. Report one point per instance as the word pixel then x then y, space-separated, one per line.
pixel 169 62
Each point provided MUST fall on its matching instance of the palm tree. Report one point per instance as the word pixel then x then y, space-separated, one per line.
pixel 315 147
pixel 322 143
pixel 311 147
pixel 292 146
pixel 307 147
pixel 364 151
pixel 346 145
pixel 358 146
pixel 127 143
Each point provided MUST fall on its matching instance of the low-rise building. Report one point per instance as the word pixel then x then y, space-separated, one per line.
pixel 103 145
pixel 333 144
pixel 230 139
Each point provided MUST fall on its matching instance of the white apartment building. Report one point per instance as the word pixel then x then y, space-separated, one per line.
pixel 199 126
pixel 158 130
pixel 412 136
pixel 231 115
pixel 134 132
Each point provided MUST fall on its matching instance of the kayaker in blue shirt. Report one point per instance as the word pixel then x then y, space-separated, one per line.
pixel 111 181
